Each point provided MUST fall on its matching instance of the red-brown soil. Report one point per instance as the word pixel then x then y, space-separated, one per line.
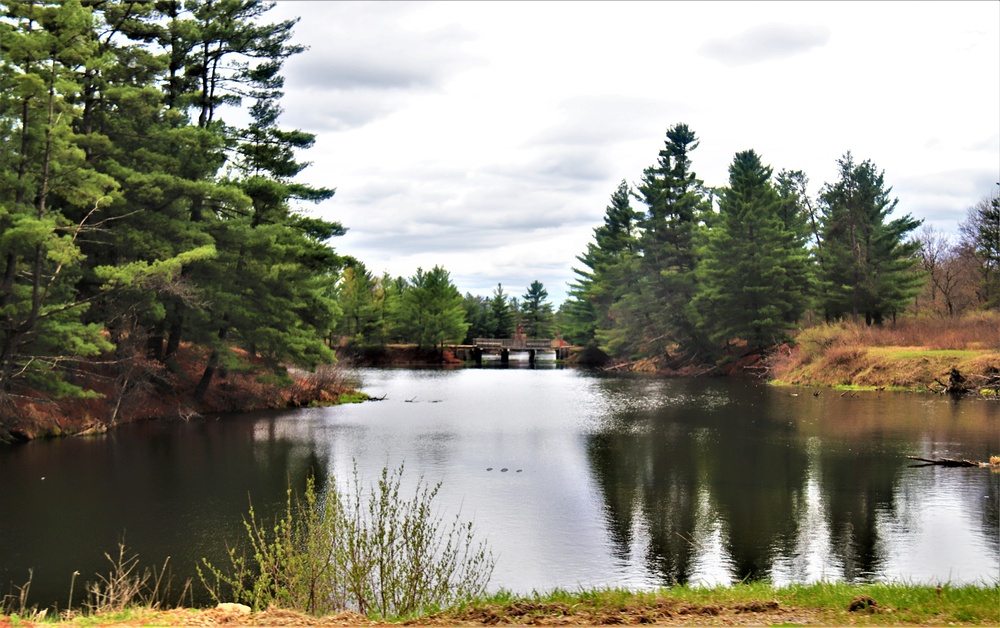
pixel 154 391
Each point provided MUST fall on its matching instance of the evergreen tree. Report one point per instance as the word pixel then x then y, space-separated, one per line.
pixel 501 315
pixel 577 318
pixel 361 299
pixel 433 309
pixel 48 196
pixel 536 312
pixel 477 315
pixel 166 168
pixel 116 224
pixel 389 302
pixel 602 282
pixel 796 210
pixel 654 318
pixel 277 255
pixel 866 265
pixel 752 258
pixel 672 194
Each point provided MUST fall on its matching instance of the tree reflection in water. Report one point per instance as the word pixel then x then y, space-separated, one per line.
pixel 760 483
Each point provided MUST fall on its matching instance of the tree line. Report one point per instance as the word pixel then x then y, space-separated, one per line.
pixel 133 218
pixel 136 221
pixel 428 310
pixel 697 270
pixel 963 275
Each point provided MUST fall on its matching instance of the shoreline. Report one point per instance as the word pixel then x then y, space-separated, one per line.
pixel 824 357
pixel 757 603
pixel 168 395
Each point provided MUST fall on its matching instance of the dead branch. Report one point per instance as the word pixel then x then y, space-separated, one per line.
pixel 949 462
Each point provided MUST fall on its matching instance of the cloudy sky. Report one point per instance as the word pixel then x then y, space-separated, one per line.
pixel 488 137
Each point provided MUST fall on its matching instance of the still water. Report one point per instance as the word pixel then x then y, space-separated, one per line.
pixel 609 481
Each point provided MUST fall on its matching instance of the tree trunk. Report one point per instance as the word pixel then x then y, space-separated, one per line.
pixel 206 376
pixel 210 368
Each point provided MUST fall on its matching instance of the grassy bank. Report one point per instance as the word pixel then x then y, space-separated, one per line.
pixel 744 604
pixel 914 354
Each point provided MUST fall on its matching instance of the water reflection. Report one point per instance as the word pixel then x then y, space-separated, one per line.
pixel 795 487
pixel 176 491
pixel 628 482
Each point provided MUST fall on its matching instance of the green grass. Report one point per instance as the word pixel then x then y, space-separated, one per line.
pixel 758 603
pixel 823 603
pixel 910 352
pixel 351 397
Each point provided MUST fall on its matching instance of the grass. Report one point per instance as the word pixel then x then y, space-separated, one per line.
pixel 755 603
pixel 914 354
pixel 353 397
pixel 917 352
pixel 342 398
pixel 749 603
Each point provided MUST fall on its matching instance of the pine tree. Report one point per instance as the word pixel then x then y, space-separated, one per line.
pixel 164 167
pixel 124 219
pixel 602 282
pixel 277 257
pixel 796 210
pixel 360 317
pixel 654 318
pixel 433 309
pixel 536 312
pixel 501 315
pixel 477 315
pixel 867 266
pixel 752 258
pixel 48 196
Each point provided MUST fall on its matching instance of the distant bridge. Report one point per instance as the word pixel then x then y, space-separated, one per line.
pixel 516 349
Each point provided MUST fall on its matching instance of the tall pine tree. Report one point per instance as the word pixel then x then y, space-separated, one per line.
pixel 654 319
pixel 433 310
pixel 867 266
pixel 536 311
pixel 48 197
pixel 752 258
pixel 603 280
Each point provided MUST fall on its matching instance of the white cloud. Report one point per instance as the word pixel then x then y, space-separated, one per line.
pixel 766 42
pixel 487 137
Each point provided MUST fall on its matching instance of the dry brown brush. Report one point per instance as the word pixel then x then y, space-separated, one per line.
pixel 916 353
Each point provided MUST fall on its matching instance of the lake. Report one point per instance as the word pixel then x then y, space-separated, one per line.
pixel 575 479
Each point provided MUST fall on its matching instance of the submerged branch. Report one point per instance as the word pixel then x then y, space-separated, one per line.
pixel 951 462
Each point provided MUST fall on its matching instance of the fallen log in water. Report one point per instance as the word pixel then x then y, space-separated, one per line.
pixel 949 462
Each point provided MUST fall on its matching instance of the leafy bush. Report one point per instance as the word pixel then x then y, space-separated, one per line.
pixel 370 552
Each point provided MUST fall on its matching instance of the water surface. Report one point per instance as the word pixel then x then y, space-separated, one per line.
pixel 609 481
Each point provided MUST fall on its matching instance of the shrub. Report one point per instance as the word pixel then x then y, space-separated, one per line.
pixel 814 341
pixel 370 552
pixel 126 586
pixel 843 356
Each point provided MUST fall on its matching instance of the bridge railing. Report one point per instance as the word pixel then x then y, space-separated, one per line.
pixel 512 343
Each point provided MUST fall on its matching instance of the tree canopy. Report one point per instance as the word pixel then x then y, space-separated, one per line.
pixel 866 264
pixel 751 262
pixel 134 218
pixel 702 271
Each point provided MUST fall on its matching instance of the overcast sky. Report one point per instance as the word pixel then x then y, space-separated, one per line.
pixel 488 137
